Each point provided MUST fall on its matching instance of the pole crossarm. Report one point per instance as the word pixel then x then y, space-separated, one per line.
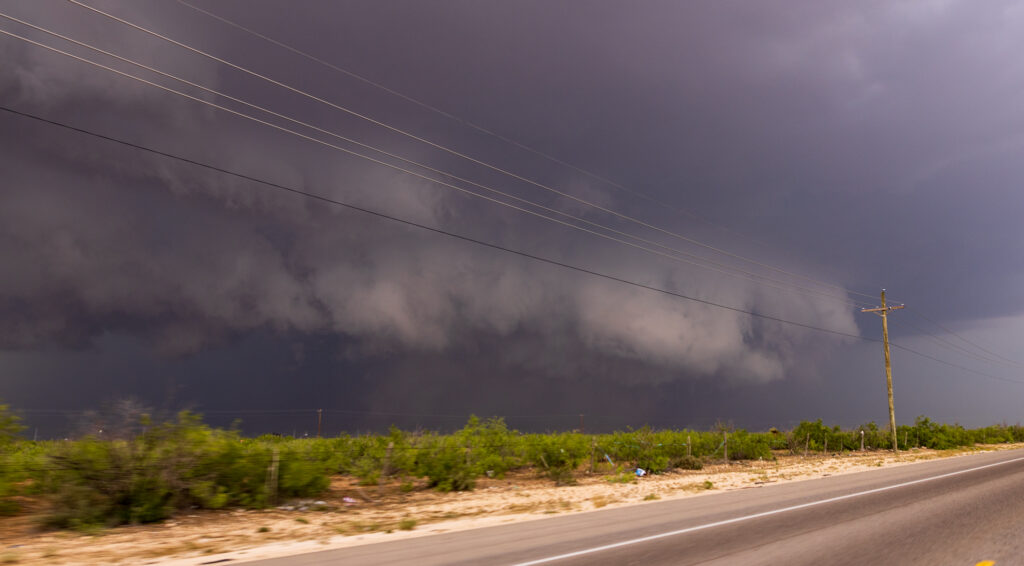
pixel 884 309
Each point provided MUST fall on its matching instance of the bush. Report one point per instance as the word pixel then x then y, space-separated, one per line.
pixel 557 455
pixel 445 464
pixel 301 473
pixel 493 448
pixel 10 426
pixel 184 464
pixel 686 463
pixel 173 466
pixel 105 484
pixel 746 446
pixel 370 457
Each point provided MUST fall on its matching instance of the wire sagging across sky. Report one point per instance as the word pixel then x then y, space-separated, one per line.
pixel 675 254
pixel 456 153
pixel 767 281
pixel 489 245
pixel 436 230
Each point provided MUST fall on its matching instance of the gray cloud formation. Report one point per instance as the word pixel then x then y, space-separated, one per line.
pixel 876 141
pixel 115 241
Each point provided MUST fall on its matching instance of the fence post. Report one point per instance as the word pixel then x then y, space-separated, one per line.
pixel 272 477
pixel 689 445
pixel 726 444
pixel 807 445
pixel 593 447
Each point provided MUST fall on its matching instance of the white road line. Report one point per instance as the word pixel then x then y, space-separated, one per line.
pixel 754 516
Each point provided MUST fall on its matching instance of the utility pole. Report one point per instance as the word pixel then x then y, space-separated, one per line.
pixel 320 420
pixel 883 311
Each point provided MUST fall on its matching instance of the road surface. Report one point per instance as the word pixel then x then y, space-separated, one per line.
pixel 951 511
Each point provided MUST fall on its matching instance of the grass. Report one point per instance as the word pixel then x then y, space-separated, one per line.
pixel 651 497
pixel 522 507
pixel 357 527
pixel 302 520
pixel 622 477
pixel 407 524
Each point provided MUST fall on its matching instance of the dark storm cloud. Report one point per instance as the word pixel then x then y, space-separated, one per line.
pixel 845 135
pixel 834 131
pixel 209 265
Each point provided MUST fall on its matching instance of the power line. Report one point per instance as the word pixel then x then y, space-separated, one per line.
pixel 524 254
pixel 431 228
pixel 943 343
pixel 953 365
pixel 708 264
pixel 978 346
pixel 463 121
pixel 482 415
pixel 483 243
pixel 454 152
pixel 435 109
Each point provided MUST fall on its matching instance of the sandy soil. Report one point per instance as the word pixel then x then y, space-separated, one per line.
pixel 385 512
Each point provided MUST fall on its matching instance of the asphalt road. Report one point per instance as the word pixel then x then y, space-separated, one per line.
pixel 957 511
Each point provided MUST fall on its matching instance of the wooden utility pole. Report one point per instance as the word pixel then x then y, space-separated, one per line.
pixel 320 420
pixel 883 311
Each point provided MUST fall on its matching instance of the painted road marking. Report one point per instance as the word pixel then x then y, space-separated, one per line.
pixel 759 515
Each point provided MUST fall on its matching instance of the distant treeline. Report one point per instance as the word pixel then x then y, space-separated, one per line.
pixel 161 468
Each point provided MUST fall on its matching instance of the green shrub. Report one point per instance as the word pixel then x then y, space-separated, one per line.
pixel 557 455
pixel 184 464
pixel 746 446
pixel 10 426
pixel 301 475
pixel 370 457
pixel 685 463
pixel 107 483
pixel 445 464
pixel 174 466
pixel 493 448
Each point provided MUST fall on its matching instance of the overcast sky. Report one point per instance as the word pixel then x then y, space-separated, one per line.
pixel 842 147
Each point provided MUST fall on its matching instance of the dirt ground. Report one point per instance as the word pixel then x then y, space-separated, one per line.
pixel 350 515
